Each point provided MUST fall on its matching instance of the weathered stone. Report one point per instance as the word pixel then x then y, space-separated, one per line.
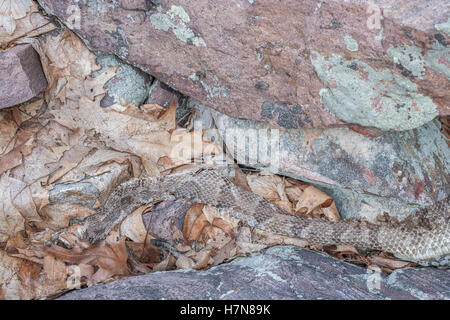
pixel 162 94
pixel 282 272
pixel 81 193
pixel 308 63
pixel 129 85
pixel 395 172
pixel 21 75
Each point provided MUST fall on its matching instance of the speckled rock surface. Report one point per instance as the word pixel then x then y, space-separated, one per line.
pixel 393 172
pixel 310 63
pixel 161 94
pixel 282 272
pixel 21 75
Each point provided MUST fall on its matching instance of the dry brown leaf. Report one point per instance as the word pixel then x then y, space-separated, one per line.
pixel 240 179
pixel 23 145
pixel 148 254
pixel 313 198
pixel 391 263
pixel 202 260
pixel 54 269
pixel 110 258
pixel 133 226
pixel 184 262
pixel 19 30
pixel 225 252
pixel 10 11
pixel 223 225
pixel 266 185
pixel 191 216
pixel 166 264
pixel 197 228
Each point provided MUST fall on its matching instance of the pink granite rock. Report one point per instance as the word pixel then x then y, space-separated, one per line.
pixel 162 94
pixel 21 75
pixel 309 63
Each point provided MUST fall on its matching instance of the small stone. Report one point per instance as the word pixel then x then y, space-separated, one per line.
pixel 129 85
pixel 21 75
pixel 161 94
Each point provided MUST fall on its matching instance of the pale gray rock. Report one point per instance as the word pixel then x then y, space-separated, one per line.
pixel 366 175
pixel 282 272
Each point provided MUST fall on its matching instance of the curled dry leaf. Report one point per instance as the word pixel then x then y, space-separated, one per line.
pixel 191 216
pixel 184 262
pixel 313 198
pixel 224 225
pixel 293 196
pixel 391 263
pixel 133 226
pixel 166 264
pixel 110 257
pixel 197 228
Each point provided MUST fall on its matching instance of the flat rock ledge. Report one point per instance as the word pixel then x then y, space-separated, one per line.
pixel 281 272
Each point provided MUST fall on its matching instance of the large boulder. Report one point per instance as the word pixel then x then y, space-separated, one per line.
pixel 282 272
pixel 309 63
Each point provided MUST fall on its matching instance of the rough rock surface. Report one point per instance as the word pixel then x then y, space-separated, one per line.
pixel 129 85
pixel 21 75
pixel 393 172
pixel 310 63
pixel 162 94
pixel 282 272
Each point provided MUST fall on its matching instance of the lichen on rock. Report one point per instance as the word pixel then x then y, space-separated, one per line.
pixel 356 93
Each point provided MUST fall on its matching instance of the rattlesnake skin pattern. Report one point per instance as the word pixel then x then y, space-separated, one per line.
pixel 424 235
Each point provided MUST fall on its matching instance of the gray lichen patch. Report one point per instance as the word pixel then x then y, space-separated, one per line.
pixel 288 117
pixel 351 43
pixel 129 85
pixel 176 19
pixel 410 57
pixel 217 90
pixel 445 26
pixel 356 93
pixel 436 56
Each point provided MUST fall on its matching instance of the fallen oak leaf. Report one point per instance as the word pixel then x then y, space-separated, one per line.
pixel 166 264
pixel 224 225
pixel 33 255
pixel 391 263
pixel 191 216
pixel 111 258
pixel 197 228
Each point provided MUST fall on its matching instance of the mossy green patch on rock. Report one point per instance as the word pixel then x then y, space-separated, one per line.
pixel 356 93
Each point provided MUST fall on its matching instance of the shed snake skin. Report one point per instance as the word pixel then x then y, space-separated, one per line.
pixel 423 235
